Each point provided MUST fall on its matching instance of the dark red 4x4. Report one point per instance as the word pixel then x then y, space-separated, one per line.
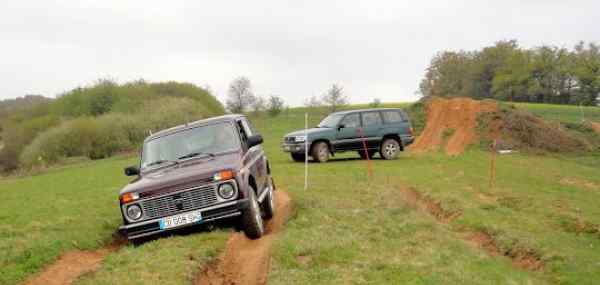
pixel 196 173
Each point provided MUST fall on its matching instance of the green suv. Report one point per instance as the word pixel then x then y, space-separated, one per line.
pixel 386 131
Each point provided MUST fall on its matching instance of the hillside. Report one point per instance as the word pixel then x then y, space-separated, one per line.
pixel 97 121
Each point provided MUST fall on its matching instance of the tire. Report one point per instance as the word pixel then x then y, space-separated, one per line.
pixel 320 152
pixel 389 149
pixel 363 156
pixel 252 222
pixel 268 204
pixel 298 157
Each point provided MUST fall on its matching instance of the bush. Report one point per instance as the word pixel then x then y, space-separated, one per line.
pixel 103 136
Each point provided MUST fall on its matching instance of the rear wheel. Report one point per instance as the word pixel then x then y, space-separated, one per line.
pixel 389 149
pixel 320 152
pixel 252 221
pixel 298 157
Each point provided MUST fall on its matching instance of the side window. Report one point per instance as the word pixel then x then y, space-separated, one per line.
pixel 391 117
pixel 371 119
pixel 249 128
pixel 243 133
pixel 351 121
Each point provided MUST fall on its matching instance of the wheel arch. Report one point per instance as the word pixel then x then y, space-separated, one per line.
pixel 394 137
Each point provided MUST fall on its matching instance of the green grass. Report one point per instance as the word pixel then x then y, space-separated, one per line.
pixel 345 228
pixel 562 113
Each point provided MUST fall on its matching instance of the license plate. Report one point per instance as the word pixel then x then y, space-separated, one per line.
pixel 180 220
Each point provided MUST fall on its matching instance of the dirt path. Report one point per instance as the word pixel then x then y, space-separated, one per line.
pixel 247 261
pixel 73 264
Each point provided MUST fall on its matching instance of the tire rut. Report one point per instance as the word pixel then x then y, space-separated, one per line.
pixel 247 261
pixel 522 258
pixel 73 264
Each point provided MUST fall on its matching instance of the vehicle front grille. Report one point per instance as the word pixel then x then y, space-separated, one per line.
pixel 179 202
pixel 289 139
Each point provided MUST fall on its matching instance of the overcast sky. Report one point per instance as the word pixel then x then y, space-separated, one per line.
pixel 294 49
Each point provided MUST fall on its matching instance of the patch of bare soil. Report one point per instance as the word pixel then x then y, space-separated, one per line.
pixel 580 183
pixel 596 127
pixel 73 264
pixel 521 258
pixel 454 118
pixel 247 261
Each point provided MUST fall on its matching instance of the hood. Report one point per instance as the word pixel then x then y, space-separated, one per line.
pixel 308 131
pixel 184 175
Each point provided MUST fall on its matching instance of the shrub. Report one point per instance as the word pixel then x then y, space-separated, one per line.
pixel 103 136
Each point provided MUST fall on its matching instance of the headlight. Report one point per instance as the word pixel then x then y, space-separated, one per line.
pixel 134 212
pixel 300 139
pixel 226 191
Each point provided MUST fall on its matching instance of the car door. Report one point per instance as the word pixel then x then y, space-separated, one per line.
pixel 372 125
pixel 347 137
pixel 396 122
pixel 254 157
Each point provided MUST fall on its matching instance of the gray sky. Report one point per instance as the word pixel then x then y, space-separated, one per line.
pixel 294 49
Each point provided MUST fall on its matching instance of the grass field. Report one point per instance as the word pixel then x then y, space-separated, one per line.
pixel 563 113
pixel 346 228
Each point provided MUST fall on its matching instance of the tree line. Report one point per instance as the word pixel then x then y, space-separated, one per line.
pixel 506 71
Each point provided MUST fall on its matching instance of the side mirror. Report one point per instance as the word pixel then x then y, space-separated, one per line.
pixel 132 171
pixel 254 140
pixel 341 126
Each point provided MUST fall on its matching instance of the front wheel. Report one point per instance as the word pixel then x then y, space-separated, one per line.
pixel 268 204
pixel 389 149
pixel 320 152
pixel 252 221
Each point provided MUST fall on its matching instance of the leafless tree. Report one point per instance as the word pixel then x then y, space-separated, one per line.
pixel 240 96
pixel 335 98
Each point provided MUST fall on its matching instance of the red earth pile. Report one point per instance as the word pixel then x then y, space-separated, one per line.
pixel 451 124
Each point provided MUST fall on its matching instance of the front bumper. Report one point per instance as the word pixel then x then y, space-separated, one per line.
pixel 293 147
pixel 209 214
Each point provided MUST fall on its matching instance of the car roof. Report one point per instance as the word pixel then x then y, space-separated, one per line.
pixel 365 110
pixel 190 125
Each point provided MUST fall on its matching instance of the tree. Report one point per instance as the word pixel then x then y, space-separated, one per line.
pixel 312 102
pixel 239 96
pixel 335 98
pixel 275 105
pixel 376 103
pixel 259 104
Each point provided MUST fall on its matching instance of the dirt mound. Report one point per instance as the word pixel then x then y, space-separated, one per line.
pixel 73 264
pixel 451 124
pixel 247 261
pixel 522 130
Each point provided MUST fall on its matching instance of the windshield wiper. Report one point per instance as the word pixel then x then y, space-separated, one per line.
pixel 194 154
pixel 161 161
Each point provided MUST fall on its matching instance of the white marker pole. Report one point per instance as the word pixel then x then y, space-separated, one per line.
pixel 305 151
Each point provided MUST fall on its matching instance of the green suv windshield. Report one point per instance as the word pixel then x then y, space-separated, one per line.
pixel 194 142
pixel 330 121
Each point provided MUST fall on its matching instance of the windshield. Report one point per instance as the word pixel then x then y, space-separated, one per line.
pixel 330 121
pixel 204 140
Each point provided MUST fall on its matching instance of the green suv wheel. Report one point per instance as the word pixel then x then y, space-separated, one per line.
pixel 389 149
pixel 320 152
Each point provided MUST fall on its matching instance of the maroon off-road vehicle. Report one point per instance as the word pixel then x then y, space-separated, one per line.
pixel 196 173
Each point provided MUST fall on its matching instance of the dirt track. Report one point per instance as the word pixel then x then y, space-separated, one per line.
pixel 456 118
pixel 73 264
pixel 247 261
